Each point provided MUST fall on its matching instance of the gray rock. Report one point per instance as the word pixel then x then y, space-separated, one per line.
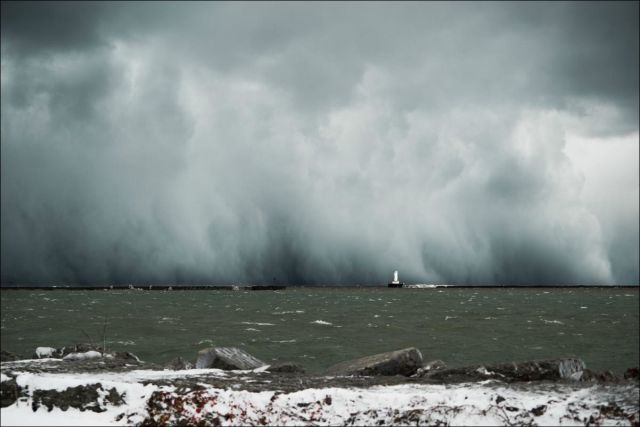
pixel 592 376
pixel 228 358
pixel 434 365
pixel 126 356
pixel 10 391
pixel 287 368
pixel 552 370
pixel 631 373
pixel 179 364
pixel 569 368
pixel 431 366
pixel 401 362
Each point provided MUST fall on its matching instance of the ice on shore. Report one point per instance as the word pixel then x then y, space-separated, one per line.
pixel 92 354
pixel 408 404
pixel 45 352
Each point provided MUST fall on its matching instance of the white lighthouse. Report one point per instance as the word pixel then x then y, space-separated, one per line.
pixel 395 278
pixel 396 282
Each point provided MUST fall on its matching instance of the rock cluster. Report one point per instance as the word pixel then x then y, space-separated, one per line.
pixel 228 358
pixel 404 362
pixel 549 370
pixel 83 397
pixel 72 353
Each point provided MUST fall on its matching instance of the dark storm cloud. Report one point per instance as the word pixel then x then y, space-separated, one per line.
pixel 598 55
pixel 46 27
pixel 315 142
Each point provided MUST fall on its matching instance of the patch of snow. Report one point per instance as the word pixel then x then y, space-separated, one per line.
pixel 30 361
pixel 322 322
pixel 19 416
pixel 408 404
pixel 91 354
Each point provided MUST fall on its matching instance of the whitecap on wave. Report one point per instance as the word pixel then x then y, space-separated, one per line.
pixel 557 322
pixel 258 323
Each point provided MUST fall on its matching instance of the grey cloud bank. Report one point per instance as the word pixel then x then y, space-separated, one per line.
pixel 460 143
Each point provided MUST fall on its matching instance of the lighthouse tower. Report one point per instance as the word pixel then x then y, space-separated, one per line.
pixel 395 283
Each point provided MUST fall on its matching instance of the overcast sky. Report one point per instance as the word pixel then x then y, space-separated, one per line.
pixel 320 143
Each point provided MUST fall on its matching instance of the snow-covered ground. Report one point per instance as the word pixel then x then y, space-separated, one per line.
pixel 407 404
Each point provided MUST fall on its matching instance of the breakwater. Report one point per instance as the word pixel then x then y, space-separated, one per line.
pixel 151 287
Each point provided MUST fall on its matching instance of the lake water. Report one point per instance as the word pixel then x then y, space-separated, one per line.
pixel 317 327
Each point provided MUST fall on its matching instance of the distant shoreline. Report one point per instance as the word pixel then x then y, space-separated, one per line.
pixel 282 287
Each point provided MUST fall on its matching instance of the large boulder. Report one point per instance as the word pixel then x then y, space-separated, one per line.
pixel 287 368
pixel 400 362
pixel 228 358
pixel 551 370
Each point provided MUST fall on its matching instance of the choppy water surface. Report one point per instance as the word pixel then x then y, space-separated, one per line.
pixel 317 327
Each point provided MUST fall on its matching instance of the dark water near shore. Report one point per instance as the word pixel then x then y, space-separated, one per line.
pixel 318 327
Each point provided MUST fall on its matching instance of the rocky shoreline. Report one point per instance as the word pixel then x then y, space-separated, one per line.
pixel 84 380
